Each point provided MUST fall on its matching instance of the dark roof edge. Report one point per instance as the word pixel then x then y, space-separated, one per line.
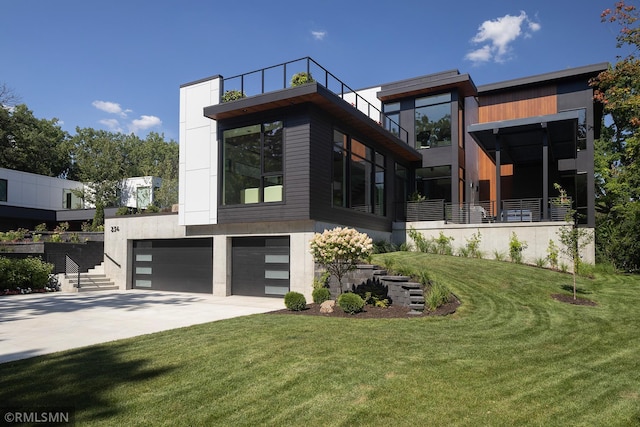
pixel 539 78
pixel 412 80
pixel 205 79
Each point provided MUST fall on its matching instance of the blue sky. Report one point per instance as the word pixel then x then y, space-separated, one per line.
pixel 118 64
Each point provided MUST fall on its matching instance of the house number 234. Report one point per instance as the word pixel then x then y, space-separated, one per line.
pixel 115 228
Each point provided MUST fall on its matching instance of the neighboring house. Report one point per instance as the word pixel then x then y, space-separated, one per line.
pixel 260 174
pixel 138 192
pixel 28 199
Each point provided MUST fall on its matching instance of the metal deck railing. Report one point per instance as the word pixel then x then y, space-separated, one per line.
pixel 278 77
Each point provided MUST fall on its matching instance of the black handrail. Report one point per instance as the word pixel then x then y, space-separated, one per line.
pixel 403 134
pixel 72 267
pixel 112 260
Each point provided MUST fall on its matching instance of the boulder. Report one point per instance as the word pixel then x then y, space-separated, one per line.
pixel 327 306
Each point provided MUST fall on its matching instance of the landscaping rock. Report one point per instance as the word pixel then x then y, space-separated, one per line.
pixel 327 306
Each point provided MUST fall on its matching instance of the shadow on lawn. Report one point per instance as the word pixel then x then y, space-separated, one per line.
pixel 569 288
pixel 83 379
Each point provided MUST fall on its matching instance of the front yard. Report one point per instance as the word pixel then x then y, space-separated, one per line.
pixel 510 355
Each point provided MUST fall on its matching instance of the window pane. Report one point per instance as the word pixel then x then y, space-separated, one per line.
pixel 392 123
pixel 431 100
pixel 241 156
pixel 273 147
pixel 3 190
pixel 339 139
pixel 433 126
pixel 339 175
pixel 379 202
pixel 361 150
pixel 273 189
pixel 361 184
pixel 395 106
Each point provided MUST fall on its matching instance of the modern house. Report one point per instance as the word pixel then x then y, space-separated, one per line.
pixel 262 172
pixel 28 199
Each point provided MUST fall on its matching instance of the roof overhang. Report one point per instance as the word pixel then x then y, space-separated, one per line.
pixel 428 85
pixel 324 99
pixel 521 139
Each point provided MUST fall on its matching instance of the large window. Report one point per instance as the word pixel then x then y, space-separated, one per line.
pixel 252 157
pixel 3 190
pixel 433 121
pixel 434 182
pixel 358 175
pixel 392 118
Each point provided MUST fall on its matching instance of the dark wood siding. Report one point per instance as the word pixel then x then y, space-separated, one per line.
pixel 321 171
pixel 296 174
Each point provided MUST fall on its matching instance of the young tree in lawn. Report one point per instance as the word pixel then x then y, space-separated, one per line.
pixel 573 240
pixel 340 249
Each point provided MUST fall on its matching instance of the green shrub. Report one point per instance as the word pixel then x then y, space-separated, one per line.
pixel 383 246
pixel 301 78
pixel 232 95
pixel 295 301
pixel 405 247
pixel 322 281
pixel 552 254
pixel 41 227
pixel 541 262
pixel 24 273
pixel 422 243
pixel 443 244
pixel 351 303
pixel 321 295
pixel 516 247
pixel 152 209
pixel 498 256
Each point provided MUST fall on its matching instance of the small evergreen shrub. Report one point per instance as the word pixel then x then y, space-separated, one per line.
pixel 351 303
pixel 295 301
pixel 322 281
pixel 321 295
pixel 552 254
pixel 301 78
pixel 232 95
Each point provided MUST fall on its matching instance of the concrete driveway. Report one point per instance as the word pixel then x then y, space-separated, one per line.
pixel 31 325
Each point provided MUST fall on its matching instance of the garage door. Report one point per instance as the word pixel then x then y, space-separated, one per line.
pixel 184 265
pixel 260 266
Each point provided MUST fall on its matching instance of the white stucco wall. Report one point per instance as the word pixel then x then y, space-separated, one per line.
pixel 130 187
pixel 29 190
pixel 198 169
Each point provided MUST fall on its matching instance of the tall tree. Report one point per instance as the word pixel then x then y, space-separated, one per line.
pixel 618 150
pixel 8 97
pixel 30 144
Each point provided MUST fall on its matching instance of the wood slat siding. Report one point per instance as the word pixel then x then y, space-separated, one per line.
pixel 518 105
pixel 508 106
pixel 296 175
pixel 321 170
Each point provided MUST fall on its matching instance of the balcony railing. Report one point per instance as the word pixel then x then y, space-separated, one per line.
pixel 513 210
pixel 278 77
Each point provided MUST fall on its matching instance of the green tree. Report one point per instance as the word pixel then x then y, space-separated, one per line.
pixel 617 152
pixel 30 144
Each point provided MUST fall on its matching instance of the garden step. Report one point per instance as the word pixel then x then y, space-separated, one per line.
pixel 412 285
pixel 416 306
pixel 395 278
pixel 416 299
pixel 89 288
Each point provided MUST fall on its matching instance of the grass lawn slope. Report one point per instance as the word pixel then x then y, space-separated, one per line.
pixel 511 355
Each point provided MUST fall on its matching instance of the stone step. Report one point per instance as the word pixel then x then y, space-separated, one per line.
pixel 412 285
pixel 416 299
pixel 395 278
pixel 416 306
pixel 90 288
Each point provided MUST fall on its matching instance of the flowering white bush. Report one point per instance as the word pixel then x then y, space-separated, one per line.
pixel 340 249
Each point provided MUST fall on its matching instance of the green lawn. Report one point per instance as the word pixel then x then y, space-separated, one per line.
pixel 511 356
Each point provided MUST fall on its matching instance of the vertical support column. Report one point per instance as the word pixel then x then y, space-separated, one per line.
pixel 545 172
pixel 498 176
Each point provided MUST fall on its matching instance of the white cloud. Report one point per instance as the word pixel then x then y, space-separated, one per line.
pixel 144 123
pixel 498 35
pixel 319 35
pixel 110 107
pixel 112 124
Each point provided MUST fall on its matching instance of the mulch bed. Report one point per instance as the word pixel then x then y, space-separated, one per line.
pixel 370 312
pixel 569 300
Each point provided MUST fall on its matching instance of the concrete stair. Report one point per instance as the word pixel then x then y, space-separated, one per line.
pixel 92 280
